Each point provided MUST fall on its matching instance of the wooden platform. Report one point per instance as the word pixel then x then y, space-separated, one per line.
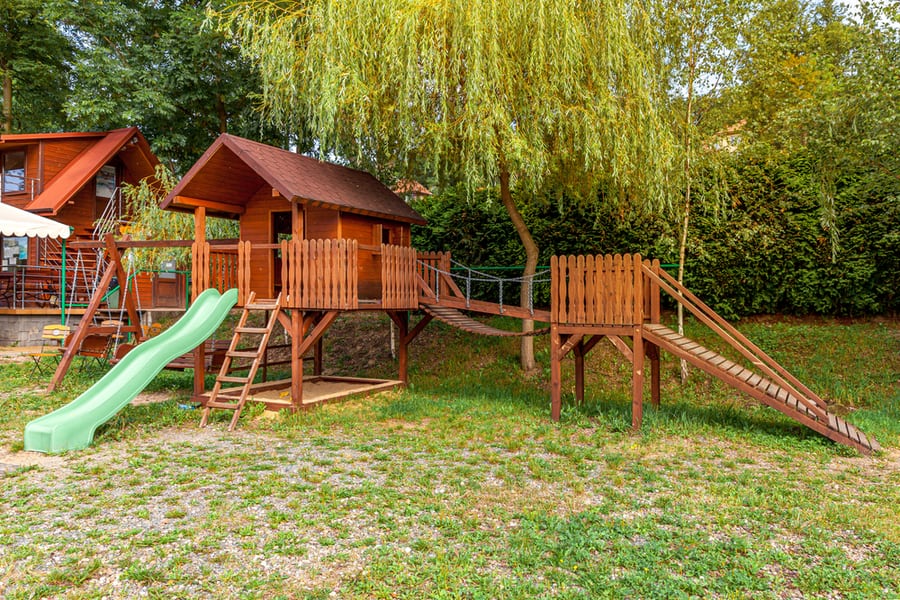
pixel 317 389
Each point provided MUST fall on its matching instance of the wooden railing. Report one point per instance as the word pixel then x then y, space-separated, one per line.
pixel 398 277
pixel 223 268
pixel 319 274
pixel 597 290
pixel 429 266
pixel 200 277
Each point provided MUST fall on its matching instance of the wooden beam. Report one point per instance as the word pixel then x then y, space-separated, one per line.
pixel 637 379
pixel 226 207
pixel 74 342
pixel 555 373
pixel 128 299
pixel 622 347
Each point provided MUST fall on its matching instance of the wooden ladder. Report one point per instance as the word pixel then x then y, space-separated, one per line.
pixel 227 398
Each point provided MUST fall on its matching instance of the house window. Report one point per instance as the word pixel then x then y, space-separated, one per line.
pixel 15 252
pixel 14 172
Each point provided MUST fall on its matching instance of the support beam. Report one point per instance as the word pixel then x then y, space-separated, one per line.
pixel 401 319
pixel 200 351
pixel 637 379
pixel 74 343
pixel 579 353
pixel 653 355
pixel 555 373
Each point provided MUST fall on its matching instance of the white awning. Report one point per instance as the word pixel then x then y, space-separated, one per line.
pixel 17 222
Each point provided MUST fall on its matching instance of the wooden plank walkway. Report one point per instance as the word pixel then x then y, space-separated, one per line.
pixel 452 316
pixel 798 407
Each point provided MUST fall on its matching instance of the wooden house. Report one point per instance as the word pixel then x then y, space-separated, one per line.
pixel 72 178
pixel 280 195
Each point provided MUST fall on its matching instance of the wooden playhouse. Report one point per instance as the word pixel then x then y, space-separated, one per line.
pixel 315 239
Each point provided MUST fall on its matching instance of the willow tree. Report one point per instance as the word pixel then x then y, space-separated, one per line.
pixel 550 94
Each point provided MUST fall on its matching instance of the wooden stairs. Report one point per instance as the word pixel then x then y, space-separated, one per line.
pixel 799 404
pixel 235 397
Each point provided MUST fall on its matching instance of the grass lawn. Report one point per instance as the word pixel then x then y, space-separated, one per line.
pixel 462 487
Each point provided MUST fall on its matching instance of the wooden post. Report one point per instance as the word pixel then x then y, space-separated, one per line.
pixel 579 352
pixel 197 271
pixel 298 330
pixel 654 349
pixel 318 352
pixel 653 354
pixel 637 379
pixel 555 373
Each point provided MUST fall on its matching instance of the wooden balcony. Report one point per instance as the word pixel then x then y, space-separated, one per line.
pixel 311 274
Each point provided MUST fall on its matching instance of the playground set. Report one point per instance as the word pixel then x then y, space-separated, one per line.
pixel 318 240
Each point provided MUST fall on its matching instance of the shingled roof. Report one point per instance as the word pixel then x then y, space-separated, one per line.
pixel 233 169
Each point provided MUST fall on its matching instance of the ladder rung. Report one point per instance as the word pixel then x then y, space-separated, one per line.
pixel 256 330
pixel 242 354
pixel 223 405
pixel 264 305
pixel 229 379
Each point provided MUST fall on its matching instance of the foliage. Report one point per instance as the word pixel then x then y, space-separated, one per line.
pixel 155 65
pixel 466 88
pixel 150 222
pixel 34 66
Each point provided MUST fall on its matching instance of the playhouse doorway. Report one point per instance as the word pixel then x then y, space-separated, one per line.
pixel 281 230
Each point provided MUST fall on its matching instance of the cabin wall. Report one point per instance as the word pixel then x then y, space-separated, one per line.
pixel 256 227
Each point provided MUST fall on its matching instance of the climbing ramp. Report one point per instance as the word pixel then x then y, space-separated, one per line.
pixel 796 404
pixel 767 381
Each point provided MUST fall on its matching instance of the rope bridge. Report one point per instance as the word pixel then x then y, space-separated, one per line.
pixel 465 278
pixel 459 288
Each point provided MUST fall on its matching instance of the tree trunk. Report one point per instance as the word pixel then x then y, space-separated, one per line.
pixel 526 357
pixel 688 147
pixel 7 98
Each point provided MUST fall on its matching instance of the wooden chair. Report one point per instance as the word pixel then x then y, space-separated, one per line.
pixel 52 340
pixel 95 347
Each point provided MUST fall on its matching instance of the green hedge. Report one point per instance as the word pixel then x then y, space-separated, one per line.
pixel 767 251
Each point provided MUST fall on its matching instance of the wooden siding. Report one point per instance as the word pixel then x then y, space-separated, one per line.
pixel 256 227
pixel 81 212
pixel 322 223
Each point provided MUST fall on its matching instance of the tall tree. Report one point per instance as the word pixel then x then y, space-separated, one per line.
pixel 154 64
pixel 700 45
pixel 33 66
pixel 524 95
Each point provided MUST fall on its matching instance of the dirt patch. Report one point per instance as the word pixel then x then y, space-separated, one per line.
pixel 151 398
pixel 17 354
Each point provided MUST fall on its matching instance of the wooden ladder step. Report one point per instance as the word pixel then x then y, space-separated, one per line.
pixel 253 330
pixel 262 305
pixel 242 354
pixel 223 405
pixel 231 379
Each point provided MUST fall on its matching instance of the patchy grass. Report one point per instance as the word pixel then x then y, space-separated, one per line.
pixel 462 487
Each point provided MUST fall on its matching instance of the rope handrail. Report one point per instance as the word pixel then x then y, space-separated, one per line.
pixel 475 276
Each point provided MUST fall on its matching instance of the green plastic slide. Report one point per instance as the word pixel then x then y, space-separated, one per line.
pixel 72 426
